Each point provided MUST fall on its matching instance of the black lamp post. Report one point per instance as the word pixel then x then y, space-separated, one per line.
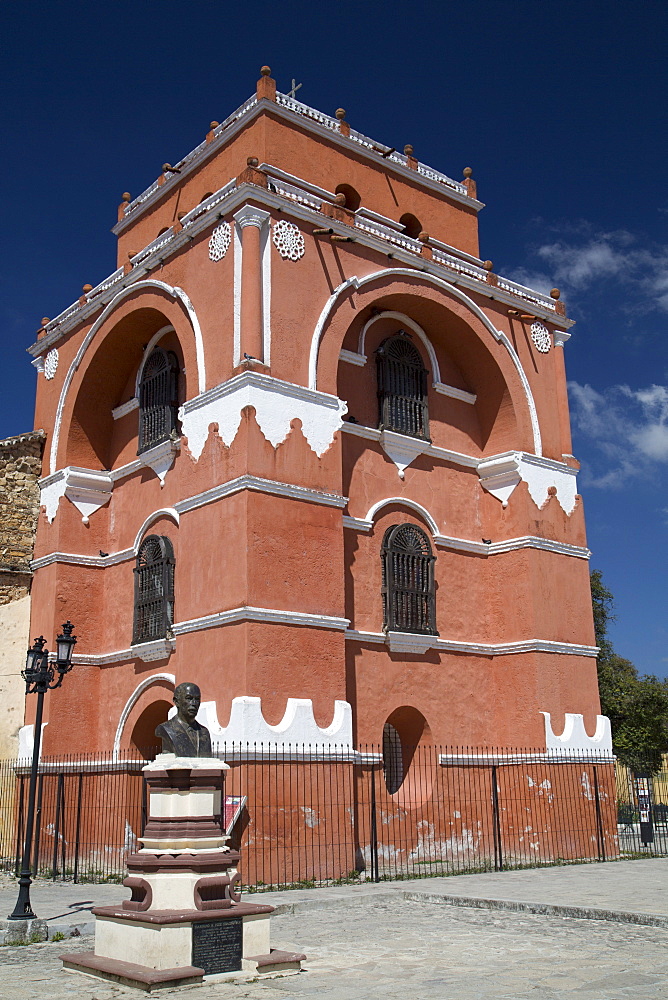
pixel 39 676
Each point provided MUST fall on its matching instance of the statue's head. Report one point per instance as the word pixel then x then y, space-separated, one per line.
pixel 187 698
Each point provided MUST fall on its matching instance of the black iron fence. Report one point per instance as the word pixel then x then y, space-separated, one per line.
pixel 300 815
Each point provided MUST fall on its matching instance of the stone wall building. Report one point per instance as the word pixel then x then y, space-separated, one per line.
pixel 20 470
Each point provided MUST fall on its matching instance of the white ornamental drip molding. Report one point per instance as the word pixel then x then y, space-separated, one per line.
pixel 276 404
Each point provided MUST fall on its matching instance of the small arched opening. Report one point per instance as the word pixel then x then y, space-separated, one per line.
pixel 412 225
pixel 353 197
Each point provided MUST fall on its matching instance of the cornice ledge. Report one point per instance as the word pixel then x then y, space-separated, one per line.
pixel 252 614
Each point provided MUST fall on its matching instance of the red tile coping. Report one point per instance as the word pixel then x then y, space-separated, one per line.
pixel 180 916
pixel 130 974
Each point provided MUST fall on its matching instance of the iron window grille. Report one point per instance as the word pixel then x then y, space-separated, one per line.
pixel 154 590
pixel 409 593
pixel 158 399
pixel 393 758
pixel 402 387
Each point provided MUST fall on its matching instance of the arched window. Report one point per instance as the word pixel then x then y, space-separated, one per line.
pixel 402 387
pixel 154 589
pixel 409 599
pixel 158 400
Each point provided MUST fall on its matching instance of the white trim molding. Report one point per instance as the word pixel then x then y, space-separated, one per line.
pixel 477 648
pixel 350 357
pixel 303 493
pixel 162 648
pixel 138 286
pixel 251 614
pixel 125 408
pixel 147 682
pixel 434 451
pixel 276 404
pixel 170 512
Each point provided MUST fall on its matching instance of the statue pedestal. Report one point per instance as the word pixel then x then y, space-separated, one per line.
pixel 185 919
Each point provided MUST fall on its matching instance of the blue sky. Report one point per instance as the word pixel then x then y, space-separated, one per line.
pixel 558 106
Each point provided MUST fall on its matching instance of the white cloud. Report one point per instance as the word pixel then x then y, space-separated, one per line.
pixel 629 427
pixel 585 262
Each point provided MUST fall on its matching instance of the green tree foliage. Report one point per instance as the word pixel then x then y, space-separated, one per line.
pixel 637 706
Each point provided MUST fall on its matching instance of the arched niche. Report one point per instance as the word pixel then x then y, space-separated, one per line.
pixel 143 738
pixel 79 431
pixel 145 703
pixel 455 355
pixel 93 438
pixel 408 757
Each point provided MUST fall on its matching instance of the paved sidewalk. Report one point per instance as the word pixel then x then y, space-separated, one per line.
pixel 398 939
pixel 627 891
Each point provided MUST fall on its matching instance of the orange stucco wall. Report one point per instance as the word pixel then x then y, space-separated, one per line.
pixel 268 550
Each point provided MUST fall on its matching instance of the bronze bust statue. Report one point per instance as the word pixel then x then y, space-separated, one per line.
pixel 182 734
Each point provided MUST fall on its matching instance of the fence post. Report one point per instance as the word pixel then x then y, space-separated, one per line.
pixel 599 821
pixel 77 833
pixel 496 820
pixel 60 795
pixel 375 875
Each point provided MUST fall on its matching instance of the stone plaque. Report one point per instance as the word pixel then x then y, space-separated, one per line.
pixel 217 945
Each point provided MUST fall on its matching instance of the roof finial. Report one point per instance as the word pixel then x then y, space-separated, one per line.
pixel 469 183
pixel 266 86
pixel 411 161
pixel 344 127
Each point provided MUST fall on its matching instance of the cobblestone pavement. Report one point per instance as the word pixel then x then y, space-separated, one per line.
pixel 391 948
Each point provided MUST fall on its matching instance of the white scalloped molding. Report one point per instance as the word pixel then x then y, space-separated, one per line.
pixel 574 739
pixel 297 729
pixel 276 404
pixel 500 474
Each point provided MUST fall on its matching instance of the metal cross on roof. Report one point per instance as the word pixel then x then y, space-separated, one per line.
pixel 295 88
